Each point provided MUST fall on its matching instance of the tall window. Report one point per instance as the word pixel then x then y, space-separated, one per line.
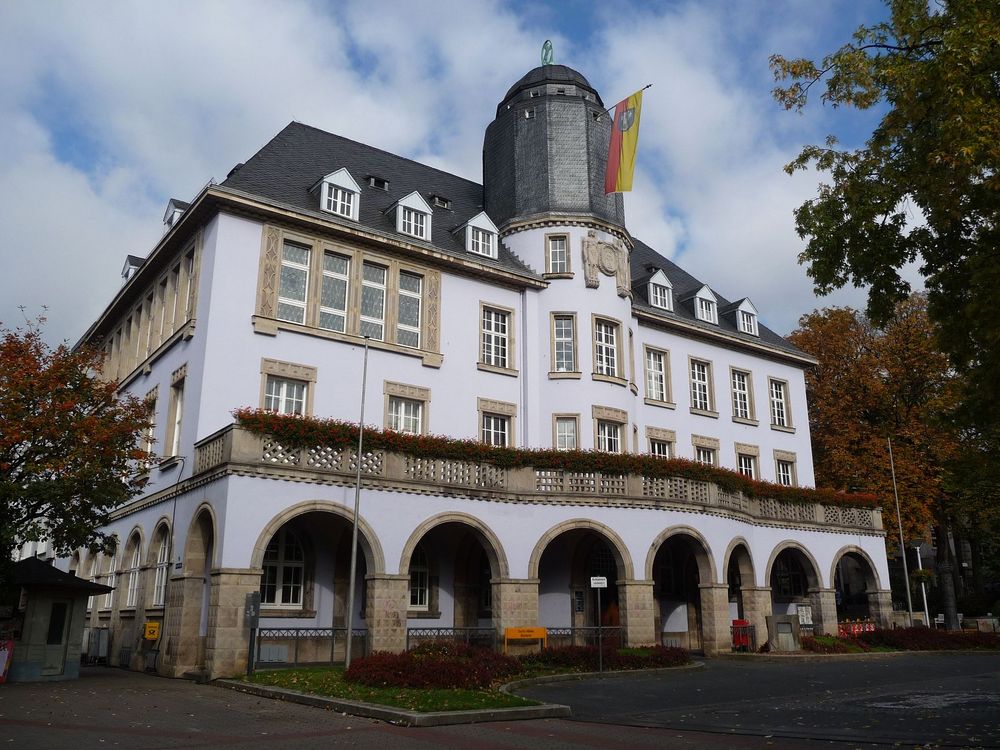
pixel 112 581
pixel 148 434
pixel 408 317
pixel 281 583
pixel 293 283
pixel 707 310
pixel 606 348
pixel 566 434
pixel 373 301
pixel 176 418
pixel 785 471
pixel 609 436
pixel 419 579
pixel 558 255
pixel 496 429
pixel 779 405
pixel 661 296
pixel 701 392
pixel 660 448
pixel 564 343
pixel 495 337
pixel 414 223
pixel 482 242
pixel 333 295
pixel 746 464
pixel 162 565
pixel 285 396
pixel 741 394
pixel 656 375
pixel 405 415
pixel 748 322
pixel 132 585
pixel 704 455
pixel 339 200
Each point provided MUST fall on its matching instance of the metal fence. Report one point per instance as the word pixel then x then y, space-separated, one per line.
pixel 484 637
pixel 282 647
pixel 744 638
pixel 586 636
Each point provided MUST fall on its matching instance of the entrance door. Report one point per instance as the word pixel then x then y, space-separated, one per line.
pixel 56 640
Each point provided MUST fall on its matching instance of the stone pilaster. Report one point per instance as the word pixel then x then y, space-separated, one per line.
pixel 637 608
pixel 228 635
pixel 515 604
pixel 880 608
pixel 824 611
pixel 716 637
pixel 756 608
pixel 182 649
pixel 386 612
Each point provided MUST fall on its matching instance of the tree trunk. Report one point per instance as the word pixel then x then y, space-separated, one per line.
pixel 978 584
pixel 945 569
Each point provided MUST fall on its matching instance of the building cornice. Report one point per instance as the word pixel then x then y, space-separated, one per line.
pixel 550 220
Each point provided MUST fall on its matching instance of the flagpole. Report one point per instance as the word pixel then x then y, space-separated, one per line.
pixel 902 548
pixel 648 85
pixel 357 504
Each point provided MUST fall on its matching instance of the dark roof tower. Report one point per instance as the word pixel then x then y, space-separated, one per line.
pixel 545 152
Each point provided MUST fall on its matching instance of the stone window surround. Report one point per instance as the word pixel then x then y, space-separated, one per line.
pixel 619 350
pixel 174 419
pixel 150 399
pixel 501 408
pixel 664 435
pixel 746 449
pixel 610 414
pixel 790 426
pixel 555 436
pixel 708 443
pixel 789 457
pixel 751 402
pixel 511 369
pixel 290 371
pixel 265 319
pixel 575 374
pixel 568 273
pixel 712 411
pixel 413 393
pixel 668 403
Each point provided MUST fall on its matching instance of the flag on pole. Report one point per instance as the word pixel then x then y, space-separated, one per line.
pixel 624 139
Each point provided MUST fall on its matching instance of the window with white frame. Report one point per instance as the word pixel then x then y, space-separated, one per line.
pixel 742 408
pixel 660 448
pixel 566 429
pixel 293 283
pixel 148 433
pixel 495 337
pixel 419 579
pixel 373 301
pixel 283 580
pixel 661 296
pixel 482 242
pixel 785 472
pixel 609 436
pixel 748 322
pixel 564 343
pixel 285 395
pixel 161 570
pixel 701 389
pixel 606 348
pixel 558 254
pixel 746 464
pixel 408 317
pixel 656 375
pixel 132 581
pixel 704 455
pixel 176 417
pixel 707 310
pixel 414 222
pixel 111 581
pixel 339 200
pixel 779 404
pixel 406 415
pixel 333 295
pixel 496 429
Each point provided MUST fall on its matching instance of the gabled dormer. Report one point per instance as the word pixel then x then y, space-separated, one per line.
pixel 660 291
pixel 706 305
pixel 132 264
pixel 480 235
pixel 340 194
pixel 746 317
pixel 413 216
pixel 175 208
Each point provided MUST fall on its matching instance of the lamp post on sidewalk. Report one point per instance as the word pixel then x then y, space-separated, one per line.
pixel 923 588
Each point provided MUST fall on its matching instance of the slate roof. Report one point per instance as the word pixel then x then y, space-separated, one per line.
pixel 685 285
pixel 34 572
pixel 550 74
pixel 300 155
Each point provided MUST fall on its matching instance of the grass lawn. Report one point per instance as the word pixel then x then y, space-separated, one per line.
pixel 851 645
pixel 329 682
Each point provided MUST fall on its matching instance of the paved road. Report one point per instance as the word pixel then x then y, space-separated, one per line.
pixel 916 699
pixel 112 708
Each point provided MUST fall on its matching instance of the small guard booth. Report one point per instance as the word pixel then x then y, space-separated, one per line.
pixel 45 621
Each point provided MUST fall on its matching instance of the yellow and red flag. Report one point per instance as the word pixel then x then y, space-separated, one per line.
pixel 624 140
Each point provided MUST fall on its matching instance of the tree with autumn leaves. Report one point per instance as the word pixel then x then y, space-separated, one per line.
pixel 68 444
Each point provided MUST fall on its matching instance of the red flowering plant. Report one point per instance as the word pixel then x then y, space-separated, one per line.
pixel 302 432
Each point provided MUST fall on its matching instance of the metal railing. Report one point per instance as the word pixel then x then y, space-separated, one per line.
pixel 306 646
pixel 744 638
pixel 586 636
pixel 485 637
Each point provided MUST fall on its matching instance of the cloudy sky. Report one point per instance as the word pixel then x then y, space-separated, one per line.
pixel 109 109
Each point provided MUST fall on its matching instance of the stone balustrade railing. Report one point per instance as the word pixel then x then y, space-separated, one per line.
pixel 238 449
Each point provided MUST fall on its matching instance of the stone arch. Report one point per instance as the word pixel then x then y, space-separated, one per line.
pixel 162 524
pixel 747 571
pixel 872 574
pixel 367 539
pixel 201 540
pixel 134 534
pixel 813 575
pixel 622 556
pixel 488 538
pixel 706 561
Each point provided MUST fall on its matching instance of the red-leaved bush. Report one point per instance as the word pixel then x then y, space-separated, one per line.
pixel 930 639
pixel 439 664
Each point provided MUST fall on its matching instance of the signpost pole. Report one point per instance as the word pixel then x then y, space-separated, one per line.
pixel 600 636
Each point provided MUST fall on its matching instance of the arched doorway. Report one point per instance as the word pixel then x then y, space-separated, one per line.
pixel 681 565
pixel 794 581
pixel 199 553
pixel 855 584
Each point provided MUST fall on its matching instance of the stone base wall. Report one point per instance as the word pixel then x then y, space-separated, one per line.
pixel 824 611
pixel 756 608
pixel 715 620
pixel 386 612
pixel 637 608
pixel 515 604
pixel 228 641
pixel 880 608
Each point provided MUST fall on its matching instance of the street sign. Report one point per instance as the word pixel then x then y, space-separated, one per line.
pixel 251 611
pixel 598 582
pixel 151 631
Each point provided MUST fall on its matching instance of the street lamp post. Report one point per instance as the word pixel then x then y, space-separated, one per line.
pixel 923 588
pixel 902 548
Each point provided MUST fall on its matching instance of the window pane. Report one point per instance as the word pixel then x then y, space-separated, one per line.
pixel 334 263
pixel 334 293
pixel 409 282
pixel 293 283
pixel 295 254
pixel 372 330
pixel 409 310
pixel 374 273
pixel 332 321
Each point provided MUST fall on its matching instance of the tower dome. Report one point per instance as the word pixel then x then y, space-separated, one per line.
pixel 545 152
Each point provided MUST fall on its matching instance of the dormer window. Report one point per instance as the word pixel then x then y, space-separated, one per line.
pixel 440 201
pixel 706 306
pixel 746 316
pixel 340 194
pixel 529 114
pixel 414 222
pixel 378 183
pixel 413 216
pixel 481 235
pixel 661 293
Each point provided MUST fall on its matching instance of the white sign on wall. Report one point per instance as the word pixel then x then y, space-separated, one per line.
pixel 598 582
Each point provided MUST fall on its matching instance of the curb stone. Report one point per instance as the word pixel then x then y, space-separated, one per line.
pixel 510 687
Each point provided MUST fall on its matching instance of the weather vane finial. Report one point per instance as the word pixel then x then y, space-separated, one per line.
pixel 547 52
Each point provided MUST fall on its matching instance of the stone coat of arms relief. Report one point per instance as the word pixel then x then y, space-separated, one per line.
pixel 611 259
